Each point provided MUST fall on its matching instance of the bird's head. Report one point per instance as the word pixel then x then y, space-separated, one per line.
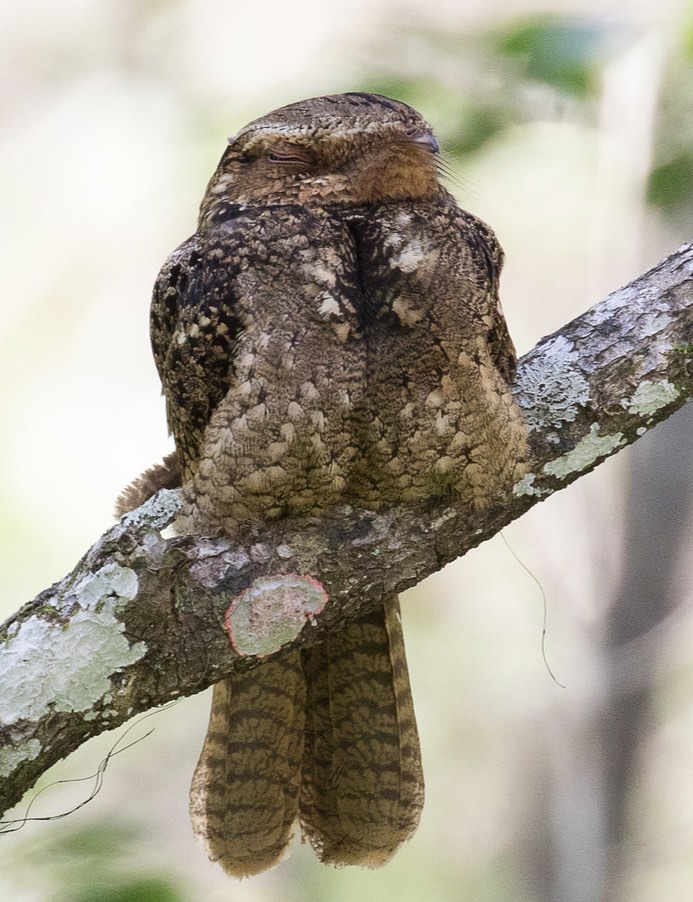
pixel 345 148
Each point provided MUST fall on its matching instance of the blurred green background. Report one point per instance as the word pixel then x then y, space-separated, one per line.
pixel 569 127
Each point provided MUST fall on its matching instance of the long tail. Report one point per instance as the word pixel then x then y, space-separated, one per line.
pixel 362 786
pixel 244 793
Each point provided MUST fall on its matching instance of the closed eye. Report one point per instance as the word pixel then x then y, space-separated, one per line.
pixel 289 158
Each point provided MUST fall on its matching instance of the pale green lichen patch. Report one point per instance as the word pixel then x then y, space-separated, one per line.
pixel 109 581
pixel 68 666
pixel 649 397
pixel 12 756
pixel 526 487
pixel 272 611
pixel 551 390
pixel 590 448
pixel 160 510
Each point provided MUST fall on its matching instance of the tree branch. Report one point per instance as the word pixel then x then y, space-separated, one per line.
pixel 143 619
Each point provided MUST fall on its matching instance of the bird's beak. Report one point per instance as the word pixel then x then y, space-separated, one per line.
pixel 428 141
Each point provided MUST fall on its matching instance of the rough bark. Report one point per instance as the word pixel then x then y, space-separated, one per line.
pixel 143 619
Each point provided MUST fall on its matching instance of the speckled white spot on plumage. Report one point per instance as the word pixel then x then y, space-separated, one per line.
pixel 409 258
pixel 328 306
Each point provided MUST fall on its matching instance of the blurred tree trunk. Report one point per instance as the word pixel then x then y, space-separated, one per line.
pixel 659 498
pixel 588 772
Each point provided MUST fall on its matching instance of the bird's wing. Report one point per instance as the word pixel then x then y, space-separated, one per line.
pixel 194 323
pixel 489 256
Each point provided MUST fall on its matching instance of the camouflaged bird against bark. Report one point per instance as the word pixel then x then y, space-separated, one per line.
pixel 331 334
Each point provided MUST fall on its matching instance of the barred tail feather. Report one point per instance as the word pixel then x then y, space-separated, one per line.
pixel 362 786
pixel 244 793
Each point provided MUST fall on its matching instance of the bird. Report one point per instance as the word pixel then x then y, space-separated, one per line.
pixel 330 335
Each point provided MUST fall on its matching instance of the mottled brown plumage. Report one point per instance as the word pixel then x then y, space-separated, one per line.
pixel 331 334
